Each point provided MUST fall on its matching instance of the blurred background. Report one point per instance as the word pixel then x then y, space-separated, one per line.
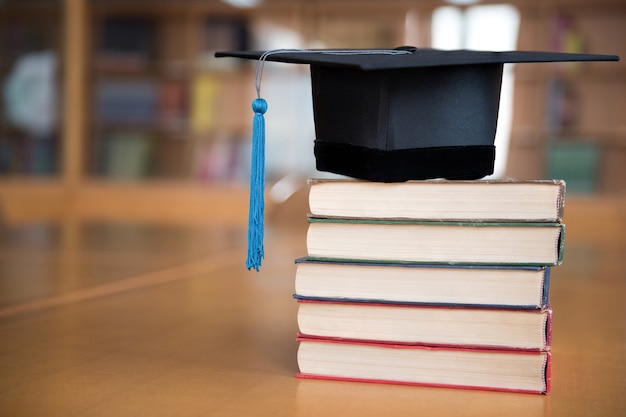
pixel 117 110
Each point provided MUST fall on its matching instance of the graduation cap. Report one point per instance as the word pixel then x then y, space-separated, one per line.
pixel 403 114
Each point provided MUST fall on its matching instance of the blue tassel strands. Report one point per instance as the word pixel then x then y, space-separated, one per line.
pixel 256 213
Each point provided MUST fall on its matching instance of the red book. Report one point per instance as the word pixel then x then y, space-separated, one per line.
pixel 171 104
pixel 454 367
pixel 430 325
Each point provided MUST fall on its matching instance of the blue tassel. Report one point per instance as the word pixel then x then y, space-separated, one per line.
pixel 256 213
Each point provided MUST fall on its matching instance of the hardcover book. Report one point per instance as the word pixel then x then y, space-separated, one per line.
pixel 486 200
pixel 500 370
pixel 478 243
pixel 486 328
pixel 495 286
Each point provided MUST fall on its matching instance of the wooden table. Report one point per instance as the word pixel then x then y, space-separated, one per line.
pixel 138 320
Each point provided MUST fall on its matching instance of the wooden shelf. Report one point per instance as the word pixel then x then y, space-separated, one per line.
pixel 157 201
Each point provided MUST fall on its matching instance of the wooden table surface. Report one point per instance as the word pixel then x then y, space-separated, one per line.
pixel 139 320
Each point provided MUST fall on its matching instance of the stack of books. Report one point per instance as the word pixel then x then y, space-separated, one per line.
pixel 440 283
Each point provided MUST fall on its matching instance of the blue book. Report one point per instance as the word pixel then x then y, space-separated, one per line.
pixel 424 284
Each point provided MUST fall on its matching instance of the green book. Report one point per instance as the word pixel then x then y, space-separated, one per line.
pixel 436 242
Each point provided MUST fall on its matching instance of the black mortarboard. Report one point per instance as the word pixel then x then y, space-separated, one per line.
pixel 399 114
pixel 424 113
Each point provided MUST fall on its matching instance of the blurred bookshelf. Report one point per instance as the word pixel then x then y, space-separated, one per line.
pixel 569 118
pixel 30 45
pixel 163 107
pixel 150 126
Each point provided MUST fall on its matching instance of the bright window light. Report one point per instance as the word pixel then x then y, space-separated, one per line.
pixel 243 3
pixel 447 27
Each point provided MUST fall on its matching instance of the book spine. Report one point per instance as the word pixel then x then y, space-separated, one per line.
pixel 560 245
pixel 548 373
pixel 545 293
pixel 560 201
pixel 548 329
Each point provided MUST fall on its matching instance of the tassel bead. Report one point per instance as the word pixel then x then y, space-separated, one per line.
pixel 259 106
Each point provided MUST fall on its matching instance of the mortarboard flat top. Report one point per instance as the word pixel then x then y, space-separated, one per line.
pixel 407 113
pixel 417 57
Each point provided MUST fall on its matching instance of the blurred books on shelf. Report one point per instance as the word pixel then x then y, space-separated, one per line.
pixel 223 33
pixel 21 154
pixel 127 155
pixel 576 161
pixel 127 101
pixel 223 160
pixel 127 44
pixel 171 158
pixel 173 104
pixel 203 102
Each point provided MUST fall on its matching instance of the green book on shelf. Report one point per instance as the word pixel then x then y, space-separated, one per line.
pixel 127 155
